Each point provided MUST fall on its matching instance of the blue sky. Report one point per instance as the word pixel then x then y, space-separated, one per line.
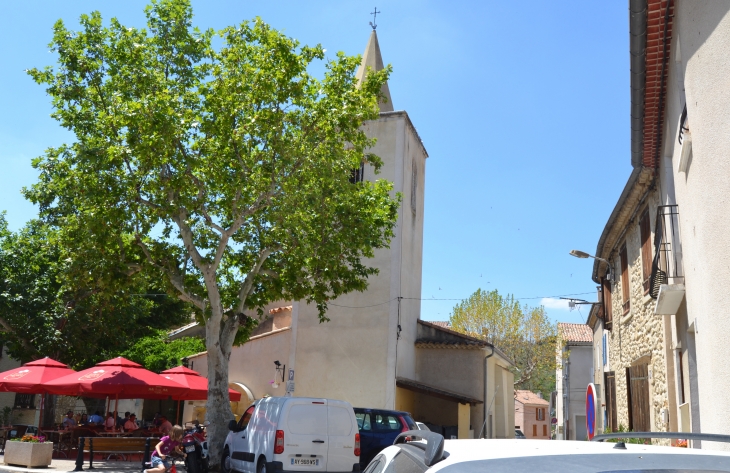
pixel 522 106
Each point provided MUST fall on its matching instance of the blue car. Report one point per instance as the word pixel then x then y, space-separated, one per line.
pixel 379 429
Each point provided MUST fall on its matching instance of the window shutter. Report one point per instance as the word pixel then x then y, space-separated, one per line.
pixel 625 289
pixel 645 250
pixel 534 430
pixel 607 307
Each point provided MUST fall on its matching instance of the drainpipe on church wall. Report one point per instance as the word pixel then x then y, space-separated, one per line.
pixel 488 430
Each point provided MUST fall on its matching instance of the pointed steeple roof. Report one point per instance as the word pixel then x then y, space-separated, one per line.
pixel 372 58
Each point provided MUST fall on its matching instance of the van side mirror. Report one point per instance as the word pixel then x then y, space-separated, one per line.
pixel 233 426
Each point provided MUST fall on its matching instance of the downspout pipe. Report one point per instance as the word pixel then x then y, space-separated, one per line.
pixel 637 48
pixel 485 392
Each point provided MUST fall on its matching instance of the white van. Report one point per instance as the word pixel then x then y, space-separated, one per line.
pixel 293 434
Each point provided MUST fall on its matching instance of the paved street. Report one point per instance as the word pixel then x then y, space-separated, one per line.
pixel 64 465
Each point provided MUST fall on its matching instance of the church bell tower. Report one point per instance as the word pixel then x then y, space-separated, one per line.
pixel 370 338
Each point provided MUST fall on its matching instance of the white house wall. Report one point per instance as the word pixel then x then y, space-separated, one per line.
pixel 702 35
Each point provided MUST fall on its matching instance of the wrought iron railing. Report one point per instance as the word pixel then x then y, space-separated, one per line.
pixel 667 265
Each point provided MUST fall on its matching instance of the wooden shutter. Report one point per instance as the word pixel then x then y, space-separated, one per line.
pixel 607 307
pixel 534 430
pixel 645 249
pixel 625 286
pixel 638 387
pixel 544 430
pixel 610 386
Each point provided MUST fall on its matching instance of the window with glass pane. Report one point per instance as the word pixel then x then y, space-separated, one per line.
pixel 363 420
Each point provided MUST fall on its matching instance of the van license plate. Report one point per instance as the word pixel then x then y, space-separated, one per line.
pixel 305 461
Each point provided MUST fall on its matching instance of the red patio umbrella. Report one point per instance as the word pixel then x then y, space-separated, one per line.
pixel 32 377
pixel 196 384
pixel 119 378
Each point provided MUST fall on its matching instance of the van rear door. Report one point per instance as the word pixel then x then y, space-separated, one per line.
pixel 305 435
pixel 341 429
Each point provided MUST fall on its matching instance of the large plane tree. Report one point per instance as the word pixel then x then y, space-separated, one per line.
pixel 222 159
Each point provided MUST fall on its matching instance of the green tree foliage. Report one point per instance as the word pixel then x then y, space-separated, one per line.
pixel 157 353
pixel 228 168
pixel 46 312
pixel 523 333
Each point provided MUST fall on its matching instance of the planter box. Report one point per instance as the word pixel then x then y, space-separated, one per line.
pixel 28 454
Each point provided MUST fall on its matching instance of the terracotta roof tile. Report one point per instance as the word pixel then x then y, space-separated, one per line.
pixel 575 332
pixel 276 310
pixel 444 323
pixel 528 397
pixel 421 343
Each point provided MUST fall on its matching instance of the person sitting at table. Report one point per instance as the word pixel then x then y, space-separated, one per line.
pixel 84 420
pixel 109 423
pixel 165 426
pixel 96 419
pixel 131 424
pixel 121 422
pixel 68 421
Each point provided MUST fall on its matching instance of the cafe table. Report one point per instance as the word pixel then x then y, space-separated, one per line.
pixel 60 439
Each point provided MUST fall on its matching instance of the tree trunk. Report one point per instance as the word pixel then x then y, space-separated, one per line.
pixel 218 407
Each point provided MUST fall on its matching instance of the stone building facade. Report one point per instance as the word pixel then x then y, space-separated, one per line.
pixel 679 149
pixel 636 342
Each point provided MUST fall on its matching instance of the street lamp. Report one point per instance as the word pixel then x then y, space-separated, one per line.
pixel 583 254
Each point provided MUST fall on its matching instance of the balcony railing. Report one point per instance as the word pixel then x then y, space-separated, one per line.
pixel 667 265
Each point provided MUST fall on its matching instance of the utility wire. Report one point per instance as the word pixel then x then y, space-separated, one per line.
pixel 422 299
pixel 443 299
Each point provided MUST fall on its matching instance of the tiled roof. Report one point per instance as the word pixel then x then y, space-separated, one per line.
pixel 434 391
pixel 657 49
pixel 575 332
pixel 465 345
pixel 528 397
pixel 460 342
pixel 276 310
pixel 443 324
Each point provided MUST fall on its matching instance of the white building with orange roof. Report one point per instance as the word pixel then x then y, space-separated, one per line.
pixel 573 374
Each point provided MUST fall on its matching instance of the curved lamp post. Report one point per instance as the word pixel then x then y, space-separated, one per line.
pixel 583 254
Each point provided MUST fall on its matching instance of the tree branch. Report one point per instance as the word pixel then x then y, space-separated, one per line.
pixel 186 233
pixel 176 279
pixel 8 328
pixel 248 282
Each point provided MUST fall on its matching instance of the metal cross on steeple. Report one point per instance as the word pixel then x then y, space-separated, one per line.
pixel 374 13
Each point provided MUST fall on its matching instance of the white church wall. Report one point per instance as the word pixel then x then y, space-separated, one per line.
pixel 410 227
pixel 352 356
